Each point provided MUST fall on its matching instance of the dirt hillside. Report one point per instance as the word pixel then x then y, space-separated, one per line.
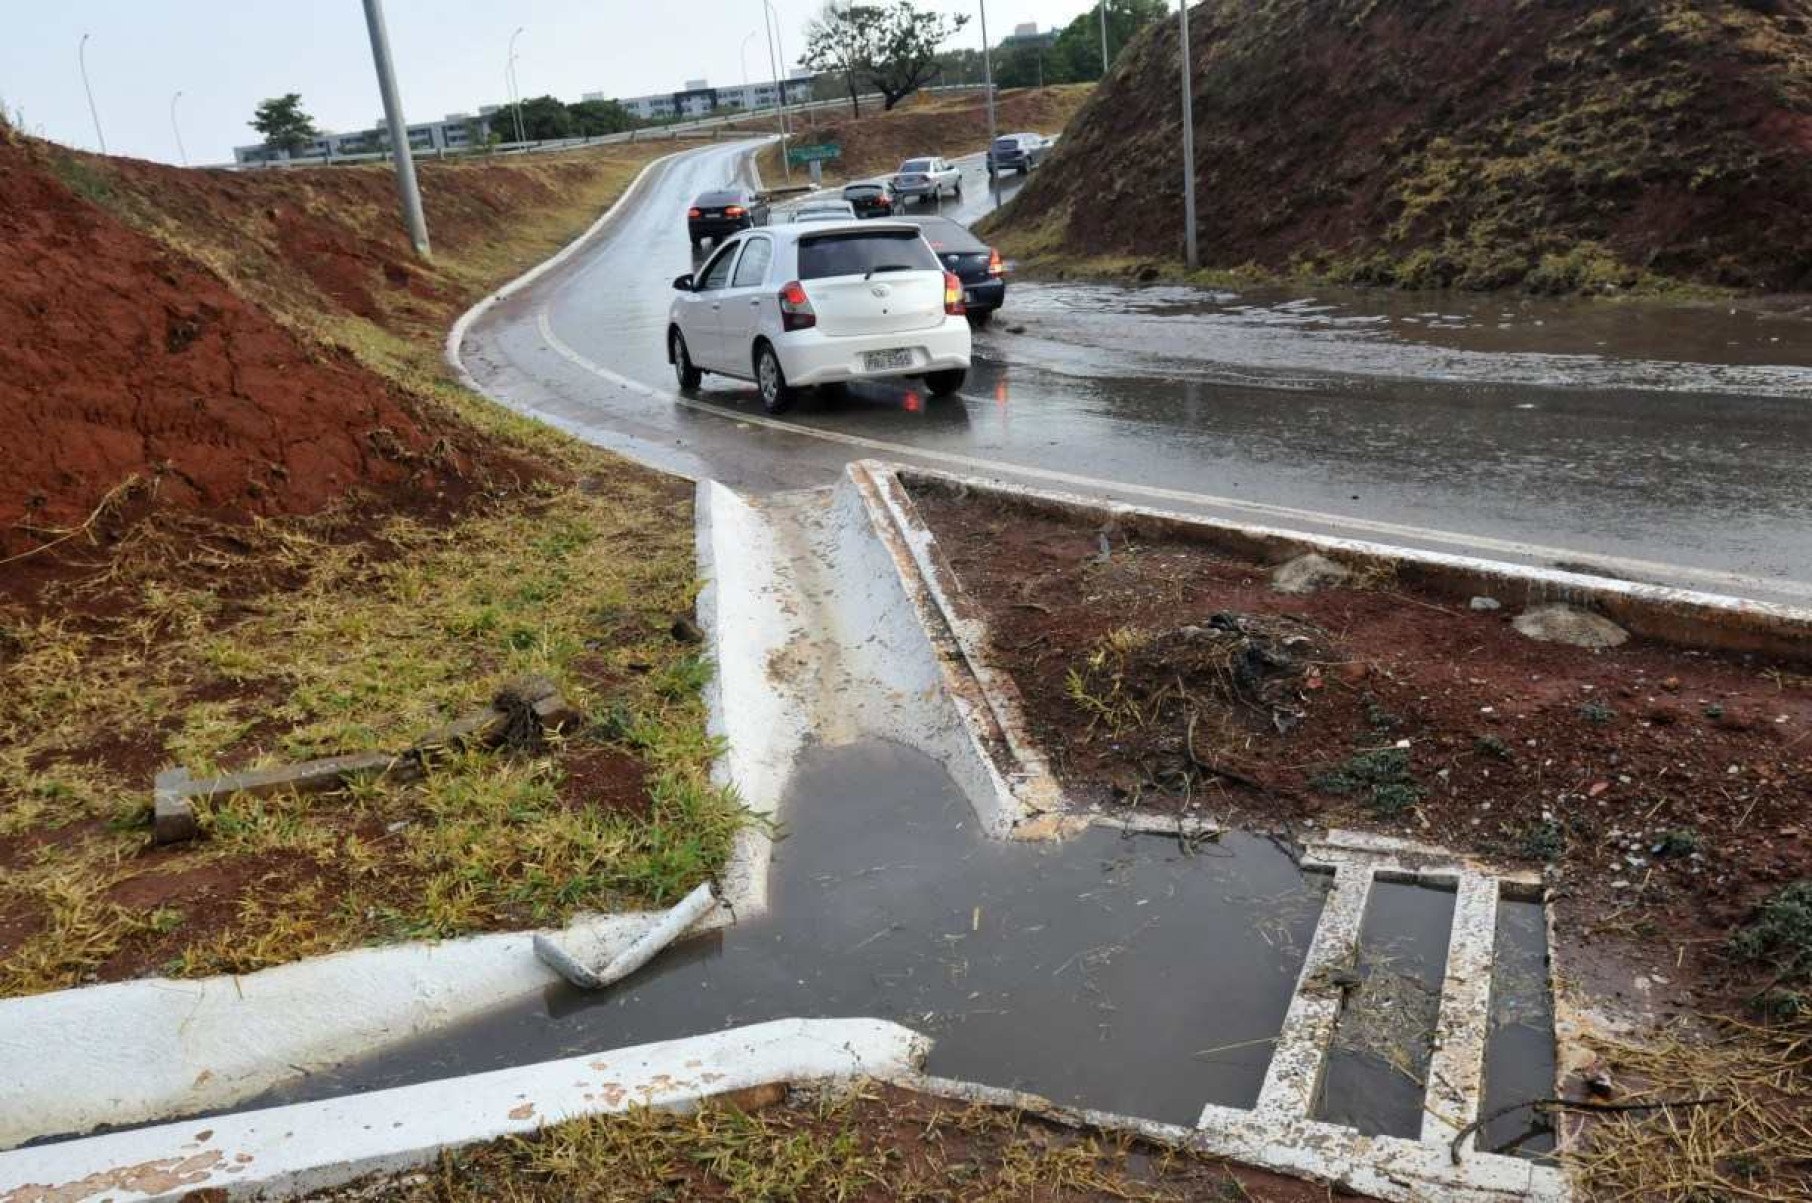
pixel 1550 144
pixel 119 360
pixel 208 336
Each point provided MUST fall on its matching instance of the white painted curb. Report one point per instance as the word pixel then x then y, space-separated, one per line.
pixel 309 1146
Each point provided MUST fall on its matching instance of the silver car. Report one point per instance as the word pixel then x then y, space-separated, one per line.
pixel 824 210
pixel 929 179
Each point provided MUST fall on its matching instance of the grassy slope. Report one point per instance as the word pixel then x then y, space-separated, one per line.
pixel 947 125
pixel 1556 147
pixel 202 644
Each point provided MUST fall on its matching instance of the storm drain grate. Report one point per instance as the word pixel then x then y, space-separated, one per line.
pixel 1445 1161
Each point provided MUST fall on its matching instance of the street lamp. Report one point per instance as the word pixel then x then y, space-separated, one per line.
pixel 1103 39
pixel 988 83
pixel 82 58
pixel 774 66
pixel 743 54
pixel 177 129
pixel 509 80
pixel 402 153
pixel 1188 140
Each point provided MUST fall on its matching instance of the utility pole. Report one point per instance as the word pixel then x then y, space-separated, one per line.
pixel 1103 39
pixel 988 84
pixel 82 58
pixel 402 154
pixel 509 81
pixel 774 66
pixel 1189 250
pixel 177 129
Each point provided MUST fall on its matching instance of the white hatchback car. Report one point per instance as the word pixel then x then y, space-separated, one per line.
pixel 822 303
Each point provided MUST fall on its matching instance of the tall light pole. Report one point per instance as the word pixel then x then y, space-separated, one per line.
pixel 988 85
pixel 509 80
pixel 1103 39
pixel 743 54
pixel 177 129
pixel 402 154
pixel 774 66
pixel 1188 141
pixel 82 58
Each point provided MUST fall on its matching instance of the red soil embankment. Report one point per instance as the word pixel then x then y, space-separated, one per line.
pixel 119 359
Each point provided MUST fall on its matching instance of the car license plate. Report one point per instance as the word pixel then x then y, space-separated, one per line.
pixel 881 361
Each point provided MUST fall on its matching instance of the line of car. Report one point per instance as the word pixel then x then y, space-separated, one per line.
pixel 845 290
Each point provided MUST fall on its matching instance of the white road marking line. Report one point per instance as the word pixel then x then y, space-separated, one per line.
pixel 1651 569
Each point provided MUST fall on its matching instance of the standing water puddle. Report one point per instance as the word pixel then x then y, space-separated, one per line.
pixel 1129 973
pixel 1519 1055
pixel 1384 1039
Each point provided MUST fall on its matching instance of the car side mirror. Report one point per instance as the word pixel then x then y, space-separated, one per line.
pixel 683 283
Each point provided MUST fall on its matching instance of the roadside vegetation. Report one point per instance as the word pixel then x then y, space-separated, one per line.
pixel 340 550
pixel 871 1143
pixel 1554 149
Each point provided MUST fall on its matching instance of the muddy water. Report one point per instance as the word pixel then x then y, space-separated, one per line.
pixel 1385 1035
pixel 1121 972
pixel 1519 1056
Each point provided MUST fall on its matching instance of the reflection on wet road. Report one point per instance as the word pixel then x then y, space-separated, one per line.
pixel 1663 443
pixel 1129 973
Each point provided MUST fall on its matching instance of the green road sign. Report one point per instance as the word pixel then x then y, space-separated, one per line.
pixel 797 155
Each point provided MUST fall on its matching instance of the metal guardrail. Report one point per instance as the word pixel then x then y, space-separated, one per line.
pixel 652 133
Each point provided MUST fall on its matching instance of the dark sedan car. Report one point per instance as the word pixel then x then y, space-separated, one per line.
pixel 973 261
pixel 717 215
pixel 1017 152
pixel 870 200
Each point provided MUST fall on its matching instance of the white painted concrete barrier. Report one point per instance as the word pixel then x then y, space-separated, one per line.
pixel 308 1146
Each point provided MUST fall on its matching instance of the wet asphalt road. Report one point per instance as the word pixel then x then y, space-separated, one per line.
pixel 1665 444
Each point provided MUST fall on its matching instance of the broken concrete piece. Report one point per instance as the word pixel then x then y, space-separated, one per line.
pixel 1569 624
pixel 1307 573
pixel 669 928
pixel 1485 604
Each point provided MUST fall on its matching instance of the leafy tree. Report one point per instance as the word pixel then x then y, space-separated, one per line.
pixel 543 119
pixel 905 49
pixel 283 124
pixel 1079 45
pixel 594 117
pixel 892 48
pixel 841 42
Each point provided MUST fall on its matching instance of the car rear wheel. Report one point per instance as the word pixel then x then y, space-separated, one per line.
pixel 943 384
pixel 684 370
pixel 777 395
pixel 980 317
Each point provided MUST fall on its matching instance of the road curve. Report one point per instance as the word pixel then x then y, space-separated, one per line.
pixel 1423 430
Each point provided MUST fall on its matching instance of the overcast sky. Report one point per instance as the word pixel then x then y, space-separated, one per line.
pixel 226 55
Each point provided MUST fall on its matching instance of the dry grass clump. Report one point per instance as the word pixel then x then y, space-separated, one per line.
pixel 1749 1136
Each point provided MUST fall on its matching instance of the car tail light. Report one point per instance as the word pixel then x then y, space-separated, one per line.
pixel 796 309
pixel 995 266
pixel 690 213
pixel 953 294
pixel 734 211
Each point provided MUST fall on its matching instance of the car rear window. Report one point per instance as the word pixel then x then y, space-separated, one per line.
pixel 859 252
pixel 916 165
pixel 860 190
pixel 946 235
pixel 1006 144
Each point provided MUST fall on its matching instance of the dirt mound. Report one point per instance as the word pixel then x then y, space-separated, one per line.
pixel 119 359
pixel 1471 143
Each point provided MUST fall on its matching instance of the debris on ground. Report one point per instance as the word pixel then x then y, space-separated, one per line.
pixel 1307 573
pixel 1571 625
pixel 1484 605
pixel 592 969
